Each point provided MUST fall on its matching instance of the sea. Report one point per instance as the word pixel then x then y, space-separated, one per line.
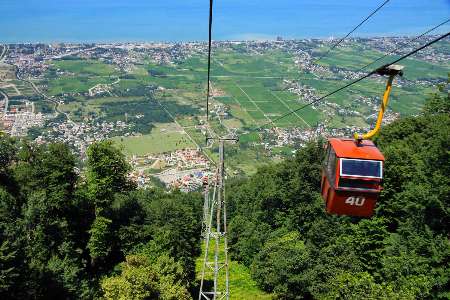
pixel 48 21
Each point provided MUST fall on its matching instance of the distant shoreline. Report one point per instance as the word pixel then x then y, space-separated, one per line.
pixel 215 41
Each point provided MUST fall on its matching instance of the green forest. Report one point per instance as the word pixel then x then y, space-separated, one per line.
pixel 89 233
pixel 279 227
pixel 94 235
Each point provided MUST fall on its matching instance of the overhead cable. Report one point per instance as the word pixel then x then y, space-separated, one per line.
pixel 397 48
pixel 353 30
pixel 209 56
pixel 357 80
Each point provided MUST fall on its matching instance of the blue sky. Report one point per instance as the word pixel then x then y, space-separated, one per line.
pixel 156 20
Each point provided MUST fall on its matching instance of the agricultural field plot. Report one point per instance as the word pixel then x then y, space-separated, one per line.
pixel 7 72
pixel 174 138
pixel 185 85
pixel 24 87
pixel 417 69
pixel 85 66
pixel 232 123
pixel 11 90
pixel 128 82
pixel 186 122
pixel 217 127
pixel 75 84
pixel 105 108
pixel 10 85
pixel 308 115
pixel 238 112
pixel 404 100
pixel 409 101
pixel 262 104
pixel 139 111
pixel 352 57
pixel 196 135
pixel 273 63
pixel 414 69
pixel 247 160
pixel 255 98
pixel 232 64
pixel 79 75
pixel 253 107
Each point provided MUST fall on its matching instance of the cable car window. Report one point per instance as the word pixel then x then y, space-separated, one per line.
pixel 361 168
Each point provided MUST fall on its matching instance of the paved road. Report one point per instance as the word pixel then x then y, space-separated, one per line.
pixel 3 54
pixel 7 101
pixel 6 105
pixel 2 58
pixel 56 103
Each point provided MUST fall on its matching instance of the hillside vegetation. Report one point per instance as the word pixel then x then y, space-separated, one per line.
pixel 92 234
pixel 279 228
pixel 65 236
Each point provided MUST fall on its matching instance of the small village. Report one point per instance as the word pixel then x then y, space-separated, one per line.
pixel 17 118
pixel 186 169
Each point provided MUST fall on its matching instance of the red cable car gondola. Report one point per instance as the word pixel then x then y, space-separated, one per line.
pixel 351 178
pixel 353 168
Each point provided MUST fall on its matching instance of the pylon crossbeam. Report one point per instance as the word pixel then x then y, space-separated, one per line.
pixel 204 296
pixel 225 295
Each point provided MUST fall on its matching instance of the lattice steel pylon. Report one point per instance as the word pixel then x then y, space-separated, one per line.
pixel 206 204
pixel 215 213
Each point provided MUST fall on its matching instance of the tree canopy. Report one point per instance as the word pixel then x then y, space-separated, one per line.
pixel 279 229
pixel 93 234
pixel 66 236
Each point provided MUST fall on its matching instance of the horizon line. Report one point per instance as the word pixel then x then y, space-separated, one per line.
pixel 274 39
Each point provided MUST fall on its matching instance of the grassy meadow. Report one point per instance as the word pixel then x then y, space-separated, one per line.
pixel 241 285
pixel 163 138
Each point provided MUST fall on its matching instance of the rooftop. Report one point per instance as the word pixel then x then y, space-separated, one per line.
pixel 348 148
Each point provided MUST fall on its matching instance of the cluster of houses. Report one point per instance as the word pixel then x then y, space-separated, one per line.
pixel 185 169
pixel 17 118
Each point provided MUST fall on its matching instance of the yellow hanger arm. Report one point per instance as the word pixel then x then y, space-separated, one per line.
pixel 383 107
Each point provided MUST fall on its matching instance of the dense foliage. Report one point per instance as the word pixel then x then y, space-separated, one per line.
pixel 69 236
pixel 279 228
pixel 66 236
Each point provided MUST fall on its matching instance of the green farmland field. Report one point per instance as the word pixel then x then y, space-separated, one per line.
pixel 76 84
pixel 91 67
pixel 161 139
